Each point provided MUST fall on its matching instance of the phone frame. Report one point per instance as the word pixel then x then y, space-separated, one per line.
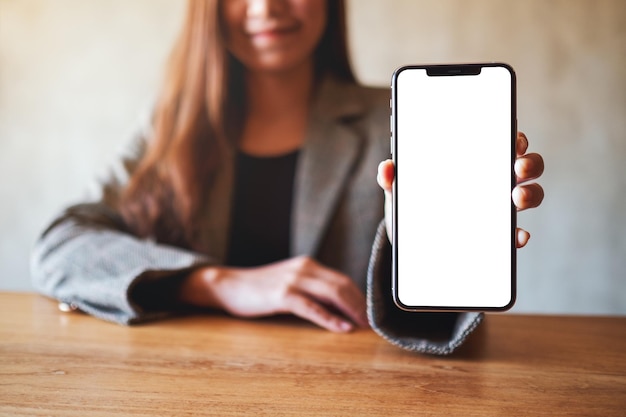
pixel 453 70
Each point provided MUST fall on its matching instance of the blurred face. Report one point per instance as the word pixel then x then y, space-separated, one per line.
pixel 273 35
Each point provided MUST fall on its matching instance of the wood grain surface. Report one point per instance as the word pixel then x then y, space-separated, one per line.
pixel 70 364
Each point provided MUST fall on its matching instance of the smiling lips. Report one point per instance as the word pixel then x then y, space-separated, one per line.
pixel 265 34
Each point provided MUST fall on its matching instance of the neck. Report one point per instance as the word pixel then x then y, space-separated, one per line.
pixel 276 95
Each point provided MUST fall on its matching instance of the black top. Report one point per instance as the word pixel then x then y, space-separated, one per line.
pixel 261 216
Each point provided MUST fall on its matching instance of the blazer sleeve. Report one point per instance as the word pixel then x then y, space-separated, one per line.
pixel 87 258
pixel 437 333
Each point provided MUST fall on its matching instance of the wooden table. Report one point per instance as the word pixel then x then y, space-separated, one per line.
pixel 69 364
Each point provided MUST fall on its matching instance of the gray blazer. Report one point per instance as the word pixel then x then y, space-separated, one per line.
pixel 87 258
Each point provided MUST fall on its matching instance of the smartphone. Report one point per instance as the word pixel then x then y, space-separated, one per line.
pixel 453 144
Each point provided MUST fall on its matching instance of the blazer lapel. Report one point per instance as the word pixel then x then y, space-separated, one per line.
pixel 330 151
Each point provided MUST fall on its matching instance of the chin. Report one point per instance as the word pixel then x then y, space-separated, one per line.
pixel 279 65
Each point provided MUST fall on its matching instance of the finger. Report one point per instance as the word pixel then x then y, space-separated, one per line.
pixel 521 143
pixel 305 308
pixel 527 196
pixel 528 167
pixel 521 238
pixel 386 174
pixel 338 291
pixel 318 282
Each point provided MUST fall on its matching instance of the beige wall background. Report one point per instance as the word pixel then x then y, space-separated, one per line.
pixel 75 74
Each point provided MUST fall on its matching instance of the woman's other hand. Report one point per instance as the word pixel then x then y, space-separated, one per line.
pixel 528 167
pixel 299 286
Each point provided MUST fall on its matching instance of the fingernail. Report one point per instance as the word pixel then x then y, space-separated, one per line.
pixel 345 326
pixel 517 167
pixel 522 238
pixel 522 141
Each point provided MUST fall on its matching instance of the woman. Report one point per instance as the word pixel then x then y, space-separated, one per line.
pixel 252 190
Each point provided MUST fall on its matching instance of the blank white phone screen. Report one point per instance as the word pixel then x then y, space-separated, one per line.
pixel 453 213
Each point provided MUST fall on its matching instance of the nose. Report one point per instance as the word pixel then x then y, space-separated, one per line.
pixel 265 8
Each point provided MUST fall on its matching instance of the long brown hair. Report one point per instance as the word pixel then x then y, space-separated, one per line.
pixel 200 102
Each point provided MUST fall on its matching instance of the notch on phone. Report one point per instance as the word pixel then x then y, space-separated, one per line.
pixel 452 70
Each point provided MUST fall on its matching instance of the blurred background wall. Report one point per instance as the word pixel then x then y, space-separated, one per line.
pixel 75 75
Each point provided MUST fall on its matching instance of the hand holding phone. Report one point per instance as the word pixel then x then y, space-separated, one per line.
pixel 453 146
